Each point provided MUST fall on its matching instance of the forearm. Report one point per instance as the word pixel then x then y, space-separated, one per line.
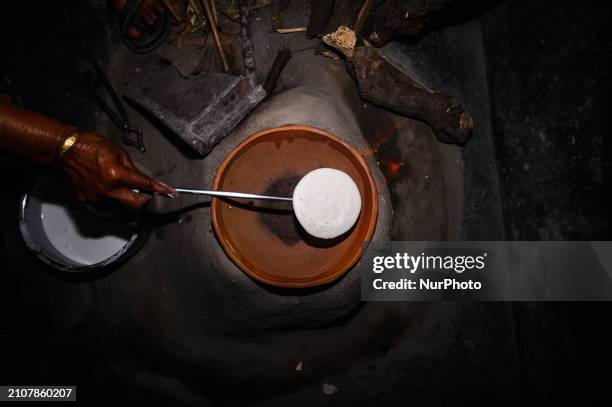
pixel 97 168
pixel 31 135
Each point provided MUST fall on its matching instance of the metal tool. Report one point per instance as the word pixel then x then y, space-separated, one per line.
pixel 203 109
pixel 119 117
pixel 248 55
pixel 232 194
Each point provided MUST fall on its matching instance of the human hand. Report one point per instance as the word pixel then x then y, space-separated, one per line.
pixel 99 168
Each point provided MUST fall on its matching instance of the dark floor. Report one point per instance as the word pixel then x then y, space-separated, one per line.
pixel 534 74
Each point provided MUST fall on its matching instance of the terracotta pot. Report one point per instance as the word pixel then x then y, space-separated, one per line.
pixel 262 237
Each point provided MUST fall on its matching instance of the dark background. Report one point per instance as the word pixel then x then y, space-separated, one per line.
pixel 548 79
pixel 540 170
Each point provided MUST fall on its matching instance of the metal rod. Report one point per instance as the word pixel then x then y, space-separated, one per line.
pixel 232 194
pixel 213 28
pixel 250 72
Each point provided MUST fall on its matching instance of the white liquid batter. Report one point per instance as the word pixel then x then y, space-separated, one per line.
pixel 327 203
pixel 70 234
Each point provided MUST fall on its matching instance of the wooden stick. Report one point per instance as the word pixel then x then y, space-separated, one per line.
pixel 320 13
pixel 383 84
pixel 175 7
pixel 363 14
pixel 213 6
pixel 282 57
pixel 397 18
pixel 213 28
pixel 290 30
pixel 197 8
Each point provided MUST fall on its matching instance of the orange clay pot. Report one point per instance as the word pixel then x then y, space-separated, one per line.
pixel 263 237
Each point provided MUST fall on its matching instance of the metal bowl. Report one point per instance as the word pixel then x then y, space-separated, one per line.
pixel 102 237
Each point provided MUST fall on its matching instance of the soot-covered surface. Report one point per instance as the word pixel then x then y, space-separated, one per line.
pixel 278 217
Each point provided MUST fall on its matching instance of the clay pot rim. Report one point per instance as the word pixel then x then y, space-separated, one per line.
pixel 236 257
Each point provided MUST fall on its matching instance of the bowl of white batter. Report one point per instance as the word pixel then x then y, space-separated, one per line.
pixel 71 236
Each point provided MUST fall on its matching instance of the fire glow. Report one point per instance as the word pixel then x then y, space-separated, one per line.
pixel 391 167
pixel 381 137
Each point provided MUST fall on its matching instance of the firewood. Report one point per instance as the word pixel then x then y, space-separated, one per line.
pixel 320 12
pixel 397 18
pixel 327 15
pixel 345 13
pixel 282 57
pixel 384 85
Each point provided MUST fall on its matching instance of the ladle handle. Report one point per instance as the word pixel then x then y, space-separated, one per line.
pixel 232 194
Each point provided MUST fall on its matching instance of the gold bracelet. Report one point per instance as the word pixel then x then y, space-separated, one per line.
pixel 68 143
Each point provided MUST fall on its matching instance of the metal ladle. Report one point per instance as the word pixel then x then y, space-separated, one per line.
pixel 232 194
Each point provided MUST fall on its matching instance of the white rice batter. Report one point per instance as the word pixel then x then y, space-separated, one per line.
pixel 327 203
pixel 67 233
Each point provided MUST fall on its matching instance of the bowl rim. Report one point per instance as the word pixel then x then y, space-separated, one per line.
pixel 134 244
pixel 237 258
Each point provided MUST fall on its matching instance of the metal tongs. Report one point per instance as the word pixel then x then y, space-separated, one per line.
pixel 131 135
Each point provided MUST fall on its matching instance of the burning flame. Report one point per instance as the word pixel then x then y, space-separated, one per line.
pixel 390 167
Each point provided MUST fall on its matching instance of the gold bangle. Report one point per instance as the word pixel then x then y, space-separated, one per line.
pixel 68 143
